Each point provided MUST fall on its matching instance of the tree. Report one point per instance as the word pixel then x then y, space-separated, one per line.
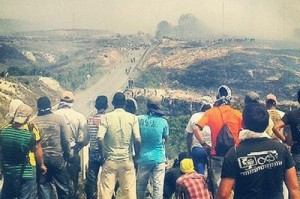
pixel 164 28
pixel 189 26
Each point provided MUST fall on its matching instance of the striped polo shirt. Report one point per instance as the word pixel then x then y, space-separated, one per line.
pixel 93 126
pixel 16 144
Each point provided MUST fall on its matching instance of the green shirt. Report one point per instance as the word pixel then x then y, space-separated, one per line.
pixel 16 144
pixel 118 129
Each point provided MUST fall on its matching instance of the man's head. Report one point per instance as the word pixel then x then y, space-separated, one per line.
pixel 13 105
pixel 255 117
pixel 271 101
pixel 224 92
pixel 22 114
pixel 131 106
pixel 43 104
pixel 67 96
pixel 187 166
pixel 119 100
pixel 206 103
pixel 101 103
pixel 251 97
pixel 154 105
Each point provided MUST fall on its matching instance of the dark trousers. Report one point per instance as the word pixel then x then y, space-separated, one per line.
pixel 26 189
pixel 73 170
pixel 91 179
pixel 57 174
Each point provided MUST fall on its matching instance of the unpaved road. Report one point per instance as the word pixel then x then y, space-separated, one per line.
pixel 108 84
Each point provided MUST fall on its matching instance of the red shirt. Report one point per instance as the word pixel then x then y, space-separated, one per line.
pixel 192 186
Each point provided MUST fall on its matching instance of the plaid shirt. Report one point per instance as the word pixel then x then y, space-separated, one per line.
pixel 192 186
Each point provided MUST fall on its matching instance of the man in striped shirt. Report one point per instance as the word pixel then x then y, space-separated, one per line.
pixel 16 142
pixel 93 121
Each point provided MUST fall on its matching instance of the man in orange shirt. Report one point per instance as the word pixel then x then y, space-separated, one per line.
pixel 221 113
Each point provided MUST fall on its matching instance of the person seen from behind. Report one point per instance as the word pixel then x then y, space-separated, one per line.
pixel 191 184
pixel 35 155
pixel 16 142
pixel 77 125
pixel 117 131
pixel 101 104
pixel 222 113
pixel 172 175
pixel 55 141
pixel 198 153
pixel 275 114
pixel 154 130
pixel 259 165
pixel 292 119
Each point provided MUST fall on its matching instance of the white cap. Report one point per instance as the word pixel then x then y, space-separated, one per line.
pixel 14 104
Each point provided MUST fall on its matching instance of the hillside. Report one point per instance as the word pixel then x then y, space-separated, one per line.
pixel 242 64
pixel 28 89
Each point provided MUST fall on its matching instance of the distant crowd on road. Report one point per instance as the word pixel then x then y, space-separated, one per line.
pixel 230 154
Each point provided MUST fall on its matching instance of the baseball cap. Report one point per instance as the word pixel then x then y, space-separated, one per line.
pixel 187 165
pixel 251 97
pixel 13 105
pixel 67 96
pixel 271 97
pixel 22 113
pixel 224 91
pixel 154 105
pixel 154 102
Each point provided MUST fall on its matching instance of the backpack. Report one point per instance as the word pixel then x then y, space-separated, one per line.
pixel 275 116
pixel 224 139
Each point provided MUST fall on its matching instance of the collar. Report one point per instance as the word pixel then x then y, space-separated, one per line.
pixel 247 134
pixel 119 110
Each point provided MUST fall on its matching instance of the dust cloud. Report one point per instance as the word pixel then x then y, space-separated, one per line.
pixel 267 19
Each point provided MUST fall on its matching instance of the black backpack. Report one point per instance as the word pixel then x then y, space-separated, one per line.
pixel 224 139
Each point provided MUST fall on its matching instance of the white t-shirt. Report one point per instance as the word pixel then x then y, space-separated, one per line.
pixel 206 130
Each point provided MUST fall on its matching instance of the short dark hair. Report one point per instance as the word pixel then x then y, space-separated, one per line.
pixel 43 103
pixel 255 117
pixel 131 106
pixel 299 95
pixel 101 102
pixel 119 100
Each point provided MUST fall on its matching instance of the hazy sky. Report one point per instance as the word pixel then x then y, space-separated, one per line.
pixel 256 18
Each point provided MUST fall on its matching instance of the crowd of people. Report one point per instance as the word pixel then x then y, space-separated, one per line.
pixel 230 154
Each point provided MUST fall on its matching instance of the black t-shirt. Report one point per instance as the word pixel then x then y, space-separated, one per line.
pixel 292 118
pixel 258 166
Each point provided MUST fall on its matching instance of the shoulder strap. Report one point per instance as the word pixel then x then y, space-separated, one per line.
pixel 221 115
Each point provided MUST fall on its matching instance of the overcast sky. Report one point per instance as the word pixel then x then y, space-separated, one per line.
pixel 256 18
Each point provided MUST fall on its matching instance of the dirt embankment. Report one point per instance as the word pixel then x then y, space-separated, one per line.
pixel 28 89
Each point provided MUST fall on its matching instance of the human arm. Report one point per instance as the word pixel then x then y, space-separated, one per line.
pixel 65 138
pixel 39 157
pixel 277 130
pixel 137 137
pixel 225 188
pixel 292 184
pixel 102 130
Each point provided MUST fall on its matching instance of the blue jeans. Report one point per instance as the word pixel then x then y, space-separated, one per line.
pixel 216 167
pixel 57 174
pixel 27 189
pixel 199 157
pixel 157 173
